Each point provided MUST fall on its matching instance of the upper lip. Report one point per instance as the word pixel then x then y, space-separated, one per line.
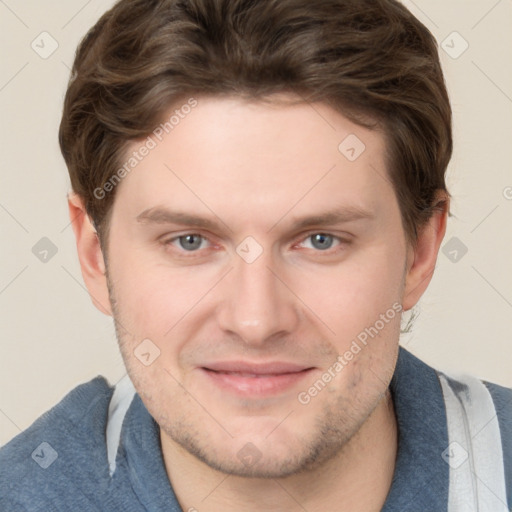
pixel 270 368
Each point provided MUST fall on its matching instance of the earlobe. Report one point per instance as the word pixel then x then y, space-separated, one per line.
pixel 421 259
pixel 90 254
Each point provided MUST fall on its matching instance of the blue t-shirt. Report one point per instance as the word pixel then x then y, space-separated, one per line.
pixel 99 449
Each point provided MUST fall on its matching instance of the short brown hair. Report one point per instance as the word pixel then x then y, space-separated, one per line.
pixel 369 59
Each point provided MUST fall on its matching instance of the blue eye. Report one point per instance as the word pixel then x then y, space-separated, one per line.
pixel 190 242
pixel 321 241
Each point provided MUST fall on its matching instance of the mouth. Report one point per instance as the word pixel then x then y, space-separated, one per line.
pixel 246 379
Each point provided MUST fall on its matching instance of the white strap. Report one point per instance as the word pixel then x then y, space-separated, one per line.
pixel 119 404
pixel 475 451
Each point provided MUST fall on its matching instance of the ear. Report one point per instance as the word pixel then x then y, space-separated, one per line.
pixel 422 257
pixel 89 253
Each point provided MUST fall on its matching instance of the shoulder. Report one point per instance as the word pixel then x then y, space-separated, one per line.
pixel 502 397
pixel 65 443
pixel 475 396
pixel 479 420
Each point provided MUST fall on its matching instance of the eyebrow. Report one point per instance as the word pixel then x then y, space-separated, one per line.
pixel 340 215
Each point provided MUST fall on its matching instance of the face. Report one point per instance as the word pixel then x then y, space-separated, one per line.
pixel 256 272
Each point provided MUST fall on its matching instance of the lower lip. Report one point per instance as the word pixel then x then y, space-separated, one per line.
pixel 265 385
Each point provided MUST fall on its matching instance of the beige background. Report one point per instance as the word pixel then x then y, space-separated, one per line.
pixel 51 336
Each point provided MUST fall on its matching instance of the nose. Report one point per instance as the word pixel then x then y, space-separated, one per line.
pixel 257 305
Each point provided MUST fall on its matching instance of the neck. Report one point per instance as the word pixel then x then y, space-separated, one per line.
pixel 357 479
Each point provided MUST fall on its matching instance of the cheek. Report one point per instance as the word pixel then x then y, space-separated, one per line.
pixel 151 297
pixel 353 294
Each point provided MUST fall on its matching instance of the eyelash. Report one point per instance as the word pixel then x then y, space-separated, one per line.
pixel 197 253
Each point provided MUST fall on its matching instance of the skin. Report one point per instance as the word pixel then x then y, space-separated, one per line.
pixel 255 169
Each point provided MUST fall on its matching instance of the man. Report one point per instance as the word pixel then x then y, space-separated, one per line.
pixel 258 195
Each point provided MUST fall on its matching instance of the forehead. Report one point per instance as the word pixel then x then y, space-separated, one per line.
pixel 230 154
